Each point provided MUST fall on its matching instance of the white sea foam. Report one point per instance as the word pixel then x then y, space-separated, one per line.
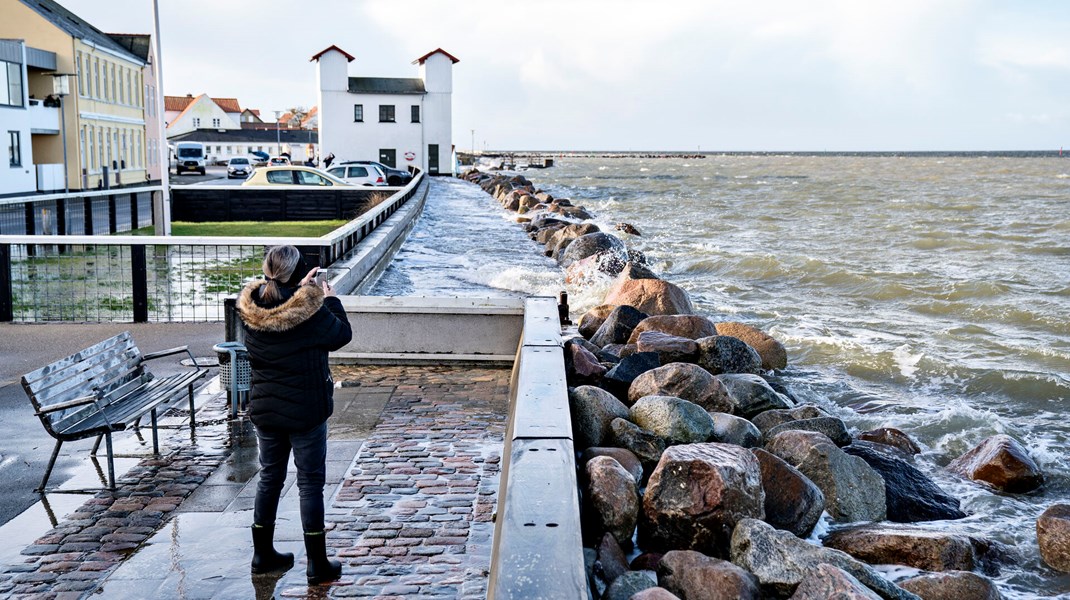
pixel 907 362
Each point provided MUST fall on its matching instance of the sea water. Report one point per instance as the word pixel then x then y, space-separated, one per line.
pixel 929 293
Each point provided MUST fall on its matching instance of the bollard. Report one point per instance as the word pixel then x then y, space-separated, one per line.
pixel 562 308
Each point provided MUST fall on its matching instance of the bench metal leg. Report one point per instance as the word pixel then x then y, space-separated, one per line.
pixel 111 463
pixel 96 445
pixel 51 463
pixel 192 412
pixel 155 436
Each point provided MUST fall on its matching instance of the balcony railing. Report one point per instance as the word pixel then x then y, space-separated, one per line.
pixel 44 119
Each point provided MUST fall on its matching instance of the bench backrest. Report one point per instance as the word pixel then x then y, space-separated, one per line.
pixel 102 367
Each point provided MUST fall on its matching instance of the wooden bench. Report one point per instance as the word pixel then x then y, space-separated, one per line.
pixel 103 389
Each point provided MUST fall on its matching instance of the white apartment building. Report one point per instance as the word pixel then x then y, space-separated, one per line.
pixel 397 121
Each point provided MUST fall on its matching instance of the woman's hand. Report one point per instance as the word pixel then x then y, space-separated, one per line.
pixel 327 289
pixel 310 275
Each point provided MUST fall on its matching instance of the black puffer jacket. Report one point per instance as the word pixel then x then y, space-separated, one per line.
pixel 288 342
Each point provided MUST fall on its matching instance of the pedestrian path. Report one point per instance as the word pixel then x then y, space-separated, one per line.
pixel 413 471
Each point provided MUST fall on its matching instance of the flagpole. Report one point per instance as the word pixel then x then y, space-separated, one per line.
pixel 163 224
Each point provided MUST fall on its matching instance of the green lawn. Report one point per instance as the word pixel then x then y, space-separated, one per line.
pixel 249 228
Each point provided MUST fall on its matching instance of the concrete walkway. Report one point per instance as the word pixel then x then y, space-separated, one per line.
pixel 413 471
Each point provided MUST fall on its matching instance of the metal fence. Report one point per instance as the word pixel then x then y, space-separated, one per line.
pixel 79 213
pixel 152 278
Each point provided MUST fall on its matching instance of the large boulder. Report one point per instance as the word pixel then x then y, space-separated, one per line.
pixel 792 502
pixel 826 581
pixel 628 585
pixel 670 348
pixel 593 319
pixel 730 429
pixel 625 457
pixel 582 366
pixel 617 326
pixel 652 296
pixel 688 326
pixel 674 419
pixel 832 427
pixel 683 380
pixel 589 245
pixel 853 490
pixel 752 394
pixel 1001 462
pixel 593 409
pixel 769 419
pixel 646 445
pixel 951 585
pixel 542 236
pixel 697 494
pixel 619 378
pixel 909 494
pixel 925 549
pixel 773 354
pixel 892 437
pixel 725 354
pixel 611 562
pixel 1053 536
pixel 655 593
pixel 570 232
pixel 636 268
pixel 780 560
pixel 694 576
pixel 612 499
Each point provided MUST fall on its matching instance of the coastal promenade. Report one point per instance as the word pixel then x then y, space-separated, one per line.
pixel 414 458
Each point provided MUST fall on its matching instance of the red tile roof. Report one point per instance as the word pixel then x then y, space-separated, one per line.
pixel 424 58
pixel 179 103
pixel 349 57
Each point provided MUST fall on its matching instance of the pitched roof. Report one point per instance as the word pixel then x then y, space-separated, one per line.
pixel 76 27
pixel 385 85
pixel 229 105
pixel 349 57
pixel 179 103
pixel 312 112
pixel 185 109
pixel 285 136
pixel 138 44
pixel 424 58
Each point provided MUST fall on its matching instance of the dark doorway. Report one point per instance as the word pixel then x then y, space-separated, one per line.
pixel 389 157
pixel 432 159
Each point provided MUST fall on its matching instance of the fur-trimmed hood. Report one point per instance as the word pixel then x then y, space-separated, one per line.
pixel 293 311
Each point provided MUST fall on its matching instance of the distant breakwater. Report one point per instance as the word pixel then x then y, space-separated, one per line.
pixel 658 391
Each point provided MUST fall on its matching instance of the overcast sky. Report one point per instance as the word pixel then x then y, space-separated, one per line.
pixel 665 75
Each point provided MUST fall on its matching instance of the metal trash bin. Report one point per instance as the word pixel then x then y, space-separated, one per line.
pixel 234 374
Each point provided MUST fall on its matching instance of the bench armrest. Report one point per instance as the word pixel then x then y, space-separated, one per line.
pixel 161 353
pixel 68 404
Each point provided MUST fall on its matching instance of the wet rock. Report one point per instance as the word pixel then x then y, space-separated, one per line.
pixel 593 409
pixel 593 319
pixel 853 490
pixel 610 353
pixel 582 342
pixel 647 561
pixel 655 593
pixel 781 561
pixel 669 348
pixel 792 502
pixel 1053 536
pixel 826 581
pixel 910 496
pixel 695 576
pixel 625 457
pixel 752 394
pixel 830 426
pixel 646 445
pixel 769 419
pixel 893 437
pixel 590 269
pixel 1001 462
pixel 688 326
pixel 636 269
pixel 652 296
pixel 612 499
pixel 544 196
pixel 567 234
pixel 772 352
pixel 574 212
pixel 528 202
pixel 627 228
pixel 617 326
pixel 675 420
pixel 611 562
pixel 594 581
pixel 620 377
pixel 544 221
pixel 697 494
pixel 582 366
pixel 730 429
pixel 543 235
pixel 683 380
pixel 628 585
pixel 725 354
pixel 924 549
pixel 628 350
pixel 951 585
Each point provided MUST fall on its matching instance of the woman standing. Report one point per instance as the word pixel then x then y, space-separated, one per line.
pixel 291 323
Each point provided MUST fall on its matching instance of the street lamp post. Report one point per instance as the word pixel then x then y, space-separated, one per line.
pixel 61 89
pixel 278 138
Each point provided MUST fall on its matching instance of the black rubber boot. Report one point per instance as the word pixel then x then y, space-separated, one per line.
pixel 265 559
pixel 320 568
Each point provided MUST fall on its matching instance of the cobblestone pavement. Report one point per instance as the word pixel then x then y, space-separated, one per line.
pixel 413 470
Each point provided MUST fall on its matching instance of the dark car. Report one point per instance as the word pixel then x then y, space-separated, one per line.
pixel 394 177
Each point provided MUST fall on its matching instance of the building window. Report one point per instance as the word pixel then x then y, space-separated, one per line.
pixel 215 123
pixel 415 113
pixel 114 96
pixel 78 71
pixel 130 87
pixel 196 122
pixel 11 84
pixel 386 113
pixel 358 113
pixel 96 78
pixel 104 93
pixel 14 149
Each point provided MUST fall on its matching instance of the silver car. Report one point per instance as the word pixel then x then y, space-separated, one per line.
pixel 239 167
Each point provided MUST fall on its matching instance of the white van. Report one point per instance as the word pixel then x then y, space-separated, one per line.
pixel 190 156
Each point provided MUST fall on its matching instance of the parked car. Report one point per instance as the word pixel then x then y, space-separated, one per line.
pixel 293 176
pixel 239 166
pixel 260 158
pixel 359 174
pixel 278 161
pixel 395 177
